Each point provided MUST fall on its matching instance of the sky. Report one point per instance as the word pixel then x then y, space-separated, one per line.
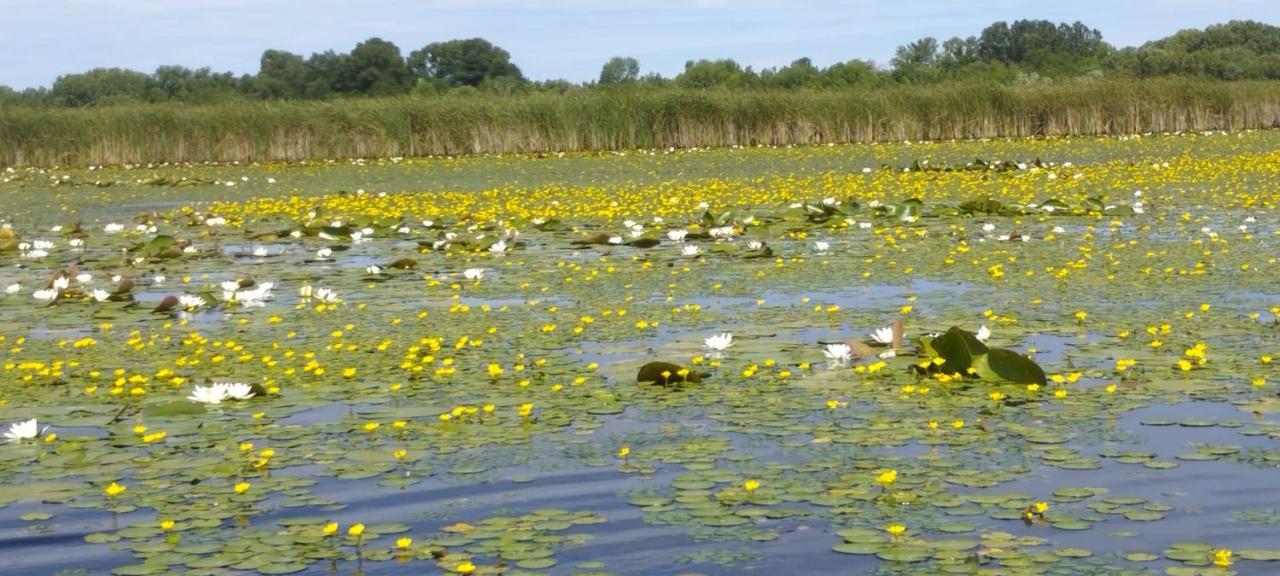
pixel 569 39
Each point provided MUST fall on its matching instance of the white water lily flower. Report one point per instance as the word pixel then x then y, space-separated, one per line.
pixel 214 394
pixel 615 240
pixel 305 291
pixel 887 354
pixel 260 252
pixel 498 247
pixel 229 285
pixel 61 283
pixel 822 247
pixel 864 225
pixel 721 232
pixel 12 288
pixel 217 220
pixel 690 251
pixel 326 295
pixel 983 333
pixel 473 273
pixel 190 301
pixel 236 391
pixel 883 335
pixel 677 235
pixel 373 269
pixel 718 342
pixel 25 430
pixel 755 245
pixel 988 227
pixel 324 253
pixel 45 295
pixel 257 296
pixel 1059 230
pixel 76 242
pixel 100 295
pixel 838 353
pixel 113 228
pixel 84 277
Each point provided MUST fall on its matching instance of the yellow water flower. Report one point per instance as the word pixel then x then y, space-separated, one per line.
pixel 242 487
pixel 465 567
pixel 750 486
pixel 113 489
pixel 330 529
pixel 895 530
pixel 355 530
pixel 887 478
pixel 1222 558
pixel 404 542
pixel 624 451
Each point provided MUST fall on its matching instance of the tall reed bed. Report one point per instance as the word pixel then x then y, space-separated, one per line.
pixel 621 119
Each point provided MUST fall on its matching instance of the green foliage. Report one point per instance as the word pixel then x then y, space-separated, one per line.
pixel 468 62
pixel 620 70
pixel 646 118
pixel 99 86
pixel 1016 53
pixel 377 69
pixel 1232 51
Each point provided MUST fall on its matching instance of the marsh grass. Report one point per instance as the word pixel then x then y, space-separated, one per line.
pixel 623 119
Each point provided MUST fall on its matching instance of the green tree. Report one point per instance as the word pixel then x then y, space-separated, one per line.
pixel 376 68
pixel 202 85
pixel 917 61
pixel 462 63
pixel 798 74
pixel 1240 49
pixel 852 73
pixel 281 75
pixel 326 72
pixel 99 86
pixel 714 73
pixel 620 70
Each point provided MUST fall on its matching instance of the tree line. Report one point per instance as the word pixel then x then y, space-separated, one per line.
pixel 1020 52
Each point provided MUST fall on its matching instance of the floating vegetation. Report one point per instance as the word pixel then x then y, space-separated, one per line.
pixel 723 358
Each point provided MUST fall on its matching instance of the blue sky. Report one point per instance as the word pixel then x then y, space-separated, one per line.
pixel 41 39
